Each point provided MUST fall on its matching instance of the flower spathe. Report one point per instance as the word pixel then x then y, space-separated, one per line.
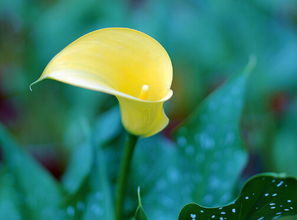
pixel 122 62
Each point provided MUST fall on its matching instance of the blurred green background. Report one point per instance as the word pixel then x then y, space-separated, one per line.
pixel 208 42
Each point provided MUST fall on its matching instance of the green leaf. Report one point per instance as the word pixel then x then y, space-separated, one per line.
pixel 210 143
pixel 160 168
pixel 82 154
pixel 9 206
pixel 140 214
pixel 263 197
pixel 41 195
pixel 107 126
pixel 156 170
pixel 93 199
pixel 98 201
pixel 86 178
pixel 78 168
pixel 284 149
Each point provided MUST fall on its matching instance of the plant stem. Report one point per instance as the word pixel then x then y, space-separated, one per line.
pixel 123 175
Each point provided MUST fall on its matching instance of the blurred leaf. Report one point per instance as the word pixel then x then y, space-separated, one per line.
pixel 285 152
pixel 9 208
pixel 86 177
pixel 41 193
pixel 263 197
pixel 80 161
pixel 288 218
pixel 79 167
pixel 210 143
pixel 156 170
pixel 82 17
pixel 284 148
pixel 107 126
pixel 92 200
pixel 140 214
pixel 98 201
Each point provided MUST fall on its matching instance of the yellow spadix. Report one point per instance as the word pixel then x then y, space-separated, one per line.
pixel 122 62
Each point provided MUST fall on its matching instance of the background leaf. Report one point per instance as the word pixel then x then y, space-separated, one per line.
pixel 209 142
pixel 99 203
pixel 156 170
pixel 86 177
pixel 9 206
pixel 206 164
pixel 31 181
pixel 79 167
pixel 263 197
pixel 284 149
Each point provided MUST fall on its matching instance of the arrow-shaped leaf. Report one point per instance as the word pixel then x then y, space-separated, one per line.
pixel 210 142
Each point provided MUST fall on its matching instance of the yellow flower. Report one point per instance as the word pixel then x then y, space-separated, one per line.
pixel 122 62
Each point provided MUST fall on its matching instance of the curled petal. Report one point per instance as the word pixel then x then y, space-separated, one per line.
pixel 143 118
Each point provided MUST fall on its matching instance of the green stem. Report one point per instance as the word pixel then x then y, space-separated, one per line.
pixel 123 175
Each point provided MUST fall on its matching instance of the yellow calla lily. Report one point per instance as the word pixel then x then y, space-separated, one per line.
pixel 123 62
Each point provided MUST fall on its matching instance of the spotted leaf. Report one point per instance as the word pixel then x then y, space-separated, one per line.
pixel 91 196
pixel 210 141
pixel 262 198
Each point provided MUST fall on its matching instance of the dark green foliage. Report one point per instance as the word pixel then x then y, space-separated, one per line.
pixel 36 194
pixel 263 197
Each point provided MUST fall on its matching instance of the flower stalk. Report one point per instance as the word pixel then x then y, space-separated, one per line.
pixel 123 175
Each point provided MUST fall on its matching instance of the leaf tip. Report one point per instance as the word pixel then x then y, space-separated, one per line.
pixel 252 62
pixel 138 195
